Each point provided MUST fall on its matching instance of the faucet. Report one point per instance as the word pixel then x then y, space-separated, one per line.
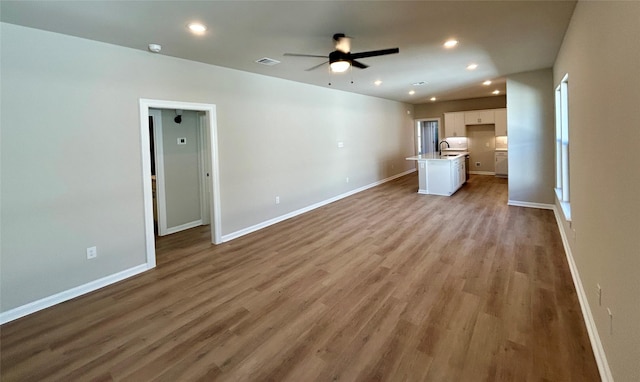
pixel 440 147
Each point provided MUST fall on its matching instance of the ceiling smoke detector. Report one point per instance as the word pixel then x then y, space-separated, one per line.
pixel 155 48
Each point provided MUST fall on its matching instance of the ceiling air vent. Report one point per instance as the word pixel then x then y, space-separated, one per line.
pixel 267 61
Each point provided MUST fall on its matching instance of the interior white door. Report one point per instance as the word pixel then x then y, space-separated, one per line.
pixel 161 201
pixel 205 168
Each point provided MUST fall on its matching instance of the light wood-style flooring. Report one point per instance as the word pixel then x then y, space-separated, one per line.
pixel 384 285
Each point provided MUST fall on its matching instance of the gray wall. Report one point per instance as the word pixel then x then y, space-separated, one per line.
pixel 482 145
pixel 71 155
pixel 437 109
pixel 530 117
pixel 601 54
pixel 181 171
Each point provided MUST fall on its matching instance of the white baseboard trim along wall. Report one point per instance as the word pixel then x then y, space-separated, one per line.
pixel 594 337
pixel 183 227
pixel 69 294
pixel 531 205
pixel 91 286
pixel 253 228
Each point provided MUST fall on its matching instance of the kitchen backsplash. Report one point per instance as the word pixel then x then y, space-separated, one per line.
pixel 457 142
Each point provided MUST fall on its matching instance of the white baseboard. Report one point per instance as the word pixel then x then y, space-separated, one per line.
pixel 542 206
pixel 256 227
pixel 69 294
pixel 482 173
pixel 594 337
pixel 182 227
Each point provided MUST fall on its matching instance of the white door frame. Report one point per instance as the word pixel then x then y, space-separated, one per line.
pixel 210 110
pixel 417 126
pixel 161 202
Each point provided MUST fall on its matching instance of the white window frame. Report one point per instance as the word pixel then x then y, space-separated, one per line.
pixel 562 147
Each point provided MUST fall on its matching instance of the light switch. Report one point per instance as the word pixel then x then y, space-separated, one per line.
pixel 340 144
pixel 182 141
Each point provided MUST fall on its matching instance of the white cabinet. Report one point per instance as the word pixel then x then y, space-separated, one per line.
pixel 501 122
pixel 444 177
pixel 479 117
pixel 502 164
pixel 454 125
pixel 462 173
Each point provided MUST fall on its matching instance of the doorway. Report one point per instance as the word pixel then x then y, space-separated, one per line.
pixel 427 135
pixel 179 169
pixel 208 132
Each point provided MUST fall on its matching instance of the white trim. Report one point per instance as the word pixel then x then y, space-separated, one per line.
pixel 161 200
pixel 69 294
pixel 592 330
pixel 482 173
pixel 184 226
pixel 259 226
pixel 543 206
pixel 210 110
pixel 566 206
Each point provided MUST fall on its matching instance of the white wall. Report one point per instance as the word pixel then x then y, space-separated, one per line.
pixel 530 119
pixel 71 155
pixel 601 55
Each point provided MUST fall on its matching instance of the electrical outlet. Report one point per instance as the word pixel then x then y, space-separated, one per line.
pixel 92 253
pixel 477 164
pixel 599 291
pixel 277 200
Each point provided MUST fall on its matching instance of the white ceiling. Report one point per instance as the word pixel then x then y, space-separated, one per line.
pixel 502 37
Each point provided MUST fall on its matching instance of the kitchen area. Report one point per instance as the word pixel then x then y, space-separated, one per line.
pixel 470 142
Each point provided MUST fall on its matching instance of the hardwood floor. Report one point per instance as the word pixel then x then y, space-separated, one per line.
pixel 384 285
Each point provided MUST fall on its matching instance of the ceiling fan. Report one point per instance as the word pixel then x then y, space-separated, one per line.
pixel 341 59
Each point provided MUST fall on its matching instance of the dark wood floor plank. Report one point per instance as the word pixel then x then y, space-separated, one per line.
pixel 385 285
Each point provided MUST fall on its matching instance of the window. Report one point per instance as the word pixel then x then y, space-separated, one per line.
pixel 562 146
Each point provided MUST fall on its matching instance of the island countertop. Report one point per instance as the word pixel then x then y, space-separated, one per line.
pixel 436 156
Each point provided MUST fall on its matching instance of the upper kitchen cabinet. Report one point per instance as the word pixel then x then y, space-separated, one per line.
pixel 454 125
pixel 479 117
pixel 501 122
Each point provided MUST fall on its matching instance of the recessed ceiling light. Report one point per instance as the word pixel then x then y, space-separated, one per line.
pixel 472 66
pixel 487 83
pixel 197 28
pixel 496 92
pixel 450 44
pixel 412 92
pixel 433 99
pixel 377 82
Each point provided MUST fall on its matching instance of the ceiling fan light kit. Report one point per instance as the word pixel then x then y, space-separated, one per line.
pixel 339 66
pixel 341 59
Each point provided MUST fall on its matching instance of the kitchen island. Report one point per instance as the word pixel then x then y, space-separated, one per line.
pixel 440 174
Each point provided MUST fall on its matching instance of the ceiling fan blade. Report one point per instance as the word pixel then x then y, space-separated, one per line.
pixel 304 55
pixel 316 67
pixel 359 64
pixel 373 53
